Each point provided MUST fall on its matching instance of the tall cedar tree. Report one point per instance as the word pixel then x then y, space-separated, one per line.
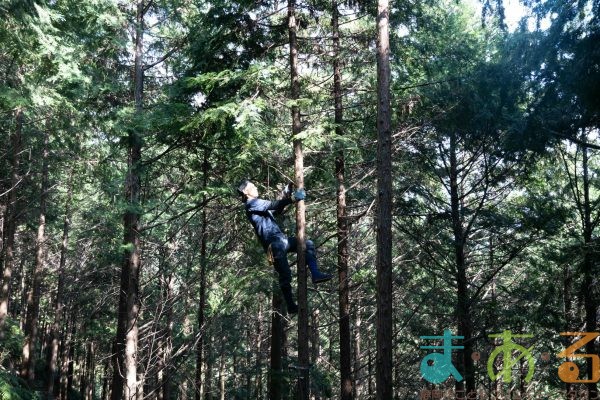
pixel 384 208
pixel 125 385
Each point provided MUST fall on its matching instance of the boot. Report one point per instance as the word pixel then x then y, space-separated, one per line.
pixel 292 307
pixel 316 275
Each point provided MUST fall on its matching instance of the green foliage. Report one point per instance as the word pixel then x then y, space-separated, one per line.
pixel 217 109
pixel 12 340
pixel 14 388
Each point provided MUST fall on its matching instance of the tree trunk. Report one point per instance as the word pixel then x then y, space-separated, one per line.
pixel 568 307
pixel 369 371
pixel 24 284
pixel 164 341
pixel 87 378
pixel 33 298
pixel 208 395
pixel 303 350
pixel 125 385
pixel 10 217
pixel 59 305
pixel 203 261
pixel 70 361
pixel 356 390
pixel 258 346
pixel 69 332
pixel 384 379
pixel 346 381
pixel 183 390
pixel 275 373
pixel 466 366
pixel 589 289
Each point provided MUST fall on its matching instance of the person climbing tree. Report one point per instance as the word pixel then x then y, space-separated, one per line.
pixel 274 241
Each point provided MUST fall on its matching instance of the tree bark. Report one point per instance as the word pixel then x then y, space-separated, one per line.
pixel 125 384
pixel 202 302
pixel 463 313
pixel 357 388
pixel 208 395
pixel 70 360
pixel 346 381
pixel 33 298
pixel 10 217
pixel 369 372
pixel 384 378
pixel 303 348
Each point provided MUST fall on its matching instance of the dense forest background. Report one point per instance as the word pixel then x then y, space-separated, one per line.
pixel 130 270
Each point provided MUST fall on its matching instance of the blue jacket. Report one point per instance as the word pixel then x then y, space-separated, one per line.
pixel 260 214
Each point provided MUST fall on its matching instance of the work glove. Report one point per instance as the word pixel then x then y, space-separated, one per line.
pixel 298 195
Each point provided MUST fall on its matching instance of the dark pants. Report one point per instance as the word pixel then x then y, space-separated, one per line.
pixel 280 247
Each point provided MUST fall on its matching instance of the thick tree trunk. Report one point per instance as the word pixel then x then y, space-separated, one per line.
pixel 384 207
pixel 463 314
pixel 10 217
pixel 125 384
pixel 346 381
pixel 275 373
pixel 303 350
pixel 33 298
pixel 59 304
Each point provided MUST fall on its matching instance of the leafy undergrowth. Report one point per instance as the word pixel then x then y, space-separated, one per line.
pixel 14 388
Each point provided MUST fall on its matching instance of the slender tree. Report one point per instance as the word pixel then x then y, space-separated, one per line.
pixel 202 303
pixel 346 381
pixel 10 218
pixel 384 208
pixel 125 385
pixel 303 333
pixel 33 297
